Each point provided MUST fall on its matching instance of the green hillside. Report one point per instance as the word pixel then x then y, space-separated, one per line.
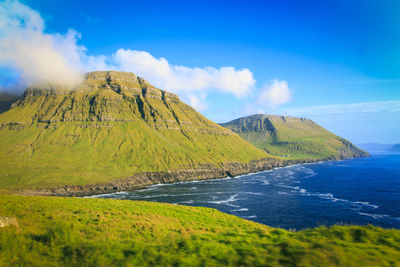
pixel 114 125
pixel 6 100
pixel 52 231
pixel 292 137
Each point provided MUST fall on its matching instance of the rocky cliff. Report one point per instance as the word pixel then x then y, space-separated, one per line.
pixel 113 126
pixel 291 137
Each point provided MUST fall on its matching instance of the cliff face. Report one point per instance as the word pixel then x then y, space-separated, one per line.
pixel 6 100
pixel 292 137
pixel 113 126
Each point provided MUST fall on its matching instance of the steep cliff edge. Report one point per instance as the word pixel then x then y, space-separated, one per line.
pixel 113 126
pixel 290 137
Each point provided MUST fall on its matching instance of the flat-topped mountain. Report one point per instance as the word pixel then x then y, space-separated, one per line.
pixel 113 126
pixel 292 137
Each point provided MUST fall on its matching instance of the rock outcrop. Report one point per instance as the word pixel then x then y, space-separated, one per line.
pixel 141 180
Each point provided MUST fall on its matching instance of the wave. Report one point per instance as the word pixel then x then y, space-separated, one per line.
pixel 121 193
pixel 187 202
pixel 356 205
pixel 365 203
pixel 375 216
pixel 249 217
pixel 254 193
pixel 225 201
pixel 379 216
pixel 242 209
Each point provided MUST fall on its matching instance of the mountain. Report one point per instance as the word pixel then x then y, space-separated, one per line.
pixel 292 137
pixel 395 148
pixel 378 148
pixel 6 100
pixel 114 125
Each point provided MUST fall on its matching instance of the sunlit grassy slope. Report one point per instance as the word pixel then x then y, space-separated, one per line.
pixel 113 125
pixel 292 137
pixel 98 232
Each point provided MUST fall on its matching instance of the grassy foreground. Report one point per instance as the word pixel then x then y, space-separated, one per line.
pixel 98 232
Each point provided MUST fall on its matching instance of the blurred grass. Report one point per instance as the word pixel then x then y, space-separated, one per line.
pixel 56 231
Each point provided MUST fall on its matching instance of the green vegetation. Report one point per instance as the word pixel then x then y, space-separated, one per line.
pixel 295 138
pixel 54 231
pixel 112 126
pixel 6 99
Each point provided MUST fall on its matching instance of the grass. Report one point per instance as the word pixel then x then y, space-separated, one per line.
pixel 56 231
pixel 293 138
pixel 112 127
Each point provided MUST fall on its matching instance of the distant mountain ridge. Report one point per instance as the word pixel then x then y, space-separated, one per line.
pixel 395 148
pixel 378 148
pixel 292 137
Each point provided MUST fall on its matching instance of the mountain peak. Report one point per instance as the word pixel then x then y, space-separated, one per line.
pixel 123 83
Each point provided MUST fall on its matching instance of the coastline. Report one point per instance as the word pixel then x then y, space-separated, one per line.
pixel 193 173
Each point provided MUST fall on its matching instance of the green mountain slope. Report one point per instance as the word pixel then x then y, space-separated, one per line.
pixel 6 100
pixel 52 231
pixel 292 137
pixel 112 126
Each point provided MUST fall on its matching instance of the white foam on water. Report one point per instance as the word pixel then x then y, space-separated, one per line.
pixel 100 195
pixel 254 193
pixel 376 216
pixel 242 209
pixel 265 183
pixel 121 193
pixel 288 186
pixel 147 189
pixel 365 203
pixel 232 205
pixel 289 173
pixel 225 201
pixel 180 195
pixel 187 202
pixel 250 217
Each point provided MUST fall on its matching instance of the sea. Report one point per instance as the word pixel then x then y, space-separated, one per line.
pixel 356 191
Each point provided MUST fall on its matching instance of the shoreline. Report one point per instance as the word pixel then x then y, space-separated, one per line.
pixel 194 173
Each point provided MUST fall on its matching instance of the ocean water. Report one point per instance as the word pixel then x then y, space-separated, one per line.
pixel 355 191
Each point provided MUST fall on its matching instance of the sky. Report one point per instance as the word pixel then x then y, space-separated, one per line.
pixel 336 62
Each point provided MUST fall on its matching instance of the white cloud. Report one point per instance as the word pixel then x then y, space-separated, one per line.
pixel 198 101
pixel 275 94
pixel 178 78
pixel 41 57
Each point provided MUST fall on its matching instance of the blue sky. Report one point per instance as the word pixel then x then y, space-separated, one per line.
pixel 336 62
